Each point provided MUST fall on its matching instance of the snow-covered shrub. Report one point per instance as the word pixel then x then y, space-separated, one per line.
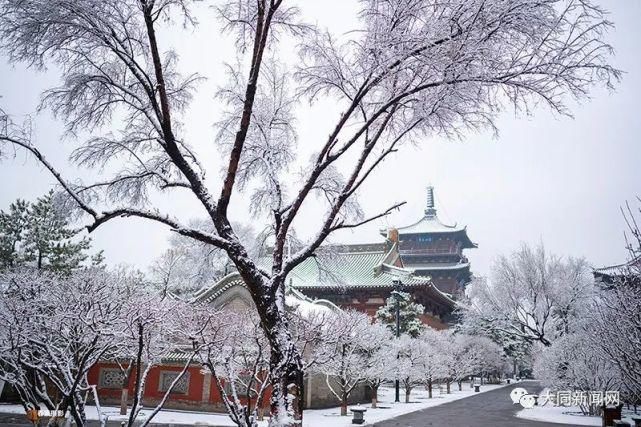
pixel 574 363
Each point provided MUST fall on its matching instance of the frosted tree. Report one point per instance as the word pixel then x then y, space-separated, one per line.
pixel 615 321
pixel 413 69
pixel 410 360
pixel 530 295
pixel 343 351
pixel 379 358
pixel 189 265
pixel 574 363
pixel 409 314
pixel 490 357
pixel 432 365
pixel 150 326
pixel 58 327
pixel 54 329
pixel 236 353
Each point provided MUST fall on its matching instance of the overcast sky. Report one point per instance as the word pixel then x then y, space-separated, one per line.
pixel 546 178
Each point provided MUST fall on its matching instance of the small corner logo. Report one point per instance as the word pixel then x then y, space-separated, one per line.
pixel 520 395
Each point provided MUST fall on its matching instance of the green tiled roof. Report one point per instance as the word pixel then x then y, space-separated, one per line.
pixel 355 269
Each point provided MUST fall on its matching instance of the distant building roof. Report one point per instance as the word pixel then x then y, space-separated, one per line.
pixel 293 298
pixel 350 270
pixel 431 224
pixel 611 273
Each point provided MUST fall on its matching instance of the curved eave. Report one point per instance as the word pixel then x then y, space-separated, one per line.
pixel 213 292
pixel 345 287
pixel 442 296
pixel 455 267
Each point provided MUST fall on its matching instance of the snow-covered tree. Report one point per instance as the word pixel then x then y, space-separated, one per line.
pixel 54 329
pixel 573 362
pixel 433 363
pixel 343 353
pixel 189 265
pixel 615 321
pixel 379 358
pixel 489 356
pixel 236 353
pixel 39 234
pixel 419 68
pixel 410 354
pixel 530 295
pixel 409 314
pixel 150 326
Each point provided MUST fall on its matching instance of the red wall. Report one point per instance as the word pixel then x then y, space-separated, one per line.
pixel 192 399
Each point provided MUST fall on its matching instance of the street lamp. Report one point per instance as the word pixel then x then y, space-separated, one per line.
pixel 397 286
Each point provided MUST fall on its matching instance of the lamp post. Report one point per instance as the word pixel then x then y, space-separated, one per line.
pixel 397 286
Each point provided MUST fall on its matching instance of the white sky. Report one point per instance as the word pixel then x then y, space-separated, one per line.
pixel 544 178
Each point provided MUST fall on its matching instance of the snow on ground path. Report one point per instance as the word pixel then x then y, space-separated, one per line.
pixel 312 418
pixel 558 414
pixel 565 415
pixel 494 408
pixel 388 409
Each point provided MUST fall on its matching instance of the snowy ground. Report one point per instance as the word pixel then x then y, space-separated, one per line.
pixel 387 408
pixel 564 415
pixel 313 418
pixel 559 414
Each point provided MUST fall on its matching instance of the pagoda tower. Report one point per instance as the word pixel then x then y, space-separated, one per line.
pixel 431 248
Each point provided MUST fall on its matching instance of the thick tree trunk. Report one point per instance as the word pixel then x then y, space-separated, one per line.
pixel 407 395
pixel 448 386
pixel 429 388
pixel 124 394
pixel 344 405
pixel 374 396
pixel 460 385
pixel 286 367
pixel 286 379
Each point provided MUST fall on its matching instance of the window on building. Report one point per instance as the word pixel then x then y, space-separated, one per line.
pixel 168 377
pixel 110 378
pixel 241 386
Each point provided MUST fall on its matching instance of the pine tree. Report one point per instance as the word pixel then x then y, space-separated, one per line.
pixel 39 235
pixel 12 227
pixel 409 311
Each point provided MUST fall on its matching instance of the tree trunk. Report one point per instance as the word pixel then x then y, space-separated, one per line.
pixel 286 367
pixel 429 388
pixel 460 385
pixel 447 384
pixel 124 394
pixel 407 394
pixel 344 405
pixel 286 379
pixel 374 396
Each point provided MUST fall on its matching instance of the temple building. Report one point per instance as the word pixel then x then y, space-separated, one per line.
pixel 617 275
pixel 425 259
pixel 434 249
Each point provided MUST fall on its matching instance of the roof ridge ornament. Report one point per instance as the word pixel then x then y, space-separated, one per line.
pixel 430 209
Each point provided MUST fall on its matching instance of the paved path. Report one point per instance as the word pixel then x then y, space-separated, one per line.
pixel 490 409
pixel 493 409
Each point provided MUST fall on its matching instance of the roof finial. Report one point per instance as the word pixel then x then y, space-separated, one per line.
pixel 430 210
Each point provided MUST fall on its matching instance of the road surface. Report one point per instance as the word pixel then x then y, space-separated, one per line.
pixel 492 409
